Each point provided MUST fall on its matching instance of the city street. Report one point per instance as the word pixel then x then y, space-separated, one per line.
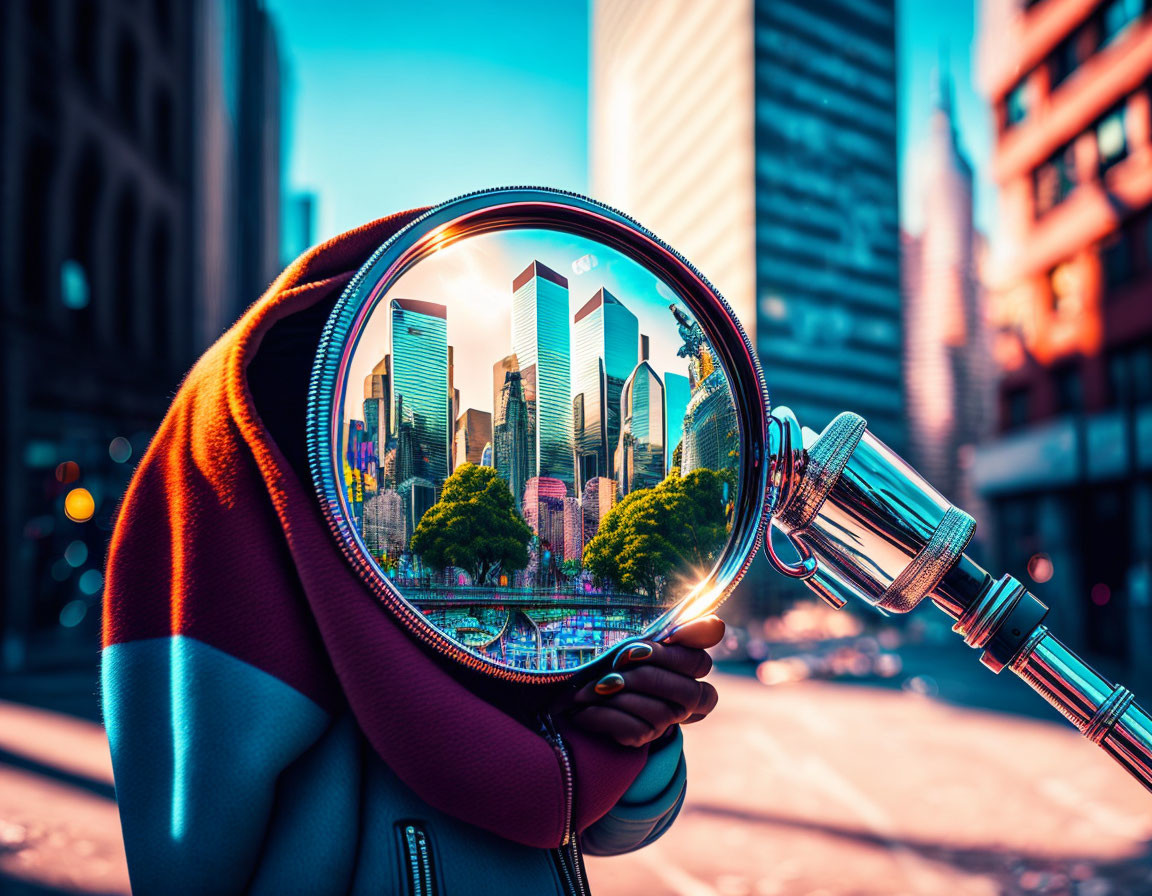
pixel 813 789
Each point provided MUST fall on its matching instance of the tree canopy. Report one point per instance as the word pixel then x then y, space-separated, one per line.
pixel 475 526
pixel 677 526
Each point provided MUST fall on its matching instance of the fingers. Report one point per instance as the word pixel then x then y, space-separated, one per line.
pixel 708 699
pixel 622 727
pixel 672 687
pixel 690 661
pixel 700 633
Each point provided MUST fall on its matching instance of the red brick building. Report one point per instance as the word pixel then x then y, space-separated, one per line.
pixel 1070 304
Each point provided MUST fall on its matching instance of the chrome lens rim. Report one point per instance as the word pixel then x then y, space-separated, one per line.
pixel 519 208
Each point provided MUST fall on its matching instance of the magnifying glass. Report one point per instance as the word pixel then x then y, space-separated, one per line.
pixel 539 434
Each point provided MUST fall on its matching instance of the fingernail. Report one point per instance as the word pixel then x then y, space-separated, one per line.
pixel 609 684
pixel 634 654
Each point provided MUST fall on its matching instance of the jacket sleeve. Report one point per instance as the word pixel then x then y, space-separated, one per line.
pixel 647 809
pixel 199 740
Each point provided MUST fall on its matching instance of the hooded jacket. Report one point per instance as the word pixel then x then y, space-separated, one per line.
pixel 273 729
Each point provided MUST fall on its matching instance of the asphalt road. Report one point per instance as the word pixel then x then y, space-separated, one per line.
pixel 812 789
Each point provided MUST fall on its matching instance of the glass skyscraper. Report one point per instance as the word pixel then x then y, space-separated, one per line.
pixel 606 345
pixel 772 166
pixel 512 436
pixel 420 390
pixel 541 343
pixel 642 430
pixel 677 392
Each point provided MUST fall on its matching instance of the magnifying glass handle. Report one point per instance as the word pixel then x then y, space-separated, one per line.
pixel 878 532
pixel 1104 713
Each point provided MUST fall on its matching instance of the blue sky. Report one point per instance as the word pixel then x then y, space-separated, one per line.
pixel 402 104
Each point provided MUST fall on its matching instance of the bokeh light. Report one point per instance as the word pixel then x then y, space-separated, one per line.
pixel 79 505
pixel 1040 568
pixel 73 613
pixel 92 581
pixel 1100 594
pixel 120 449
pixel 68 472
pixel 76 553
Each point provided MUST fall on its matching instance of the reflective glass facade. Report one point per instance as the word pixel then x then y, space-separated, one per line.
pixel 642 430
pixel 827 238
pixel 606 340
pixel 420 394
pixel 677 393
pixel 541 343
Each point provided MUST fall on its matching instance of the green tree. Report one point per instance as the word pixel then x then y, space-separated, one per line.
pixel 475 526
pixel 678 525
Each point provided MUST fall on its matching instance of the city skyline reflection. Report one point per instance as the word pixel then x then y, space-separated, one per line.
pixel 543 455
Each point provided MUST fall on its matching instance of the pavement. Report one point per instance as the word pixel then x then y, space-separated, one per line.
pixel 813 788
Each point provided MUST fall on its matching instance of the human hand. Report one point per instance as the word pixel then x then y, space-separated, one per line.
pixel 653 686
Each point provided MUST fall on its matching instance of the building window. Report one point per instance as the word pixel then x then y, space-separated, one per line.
pixel 1130 374
pixel 1118 17
pixel 1069 388
pixel 1116 257
pixel 1016 104
pixel 1055 179
pixel 1017 407
pixel 1111 140
pixel 1065 59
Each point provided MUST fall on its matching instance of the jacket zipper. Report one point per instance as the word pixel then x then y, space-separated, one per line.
pixel 418 852
pixel 567 855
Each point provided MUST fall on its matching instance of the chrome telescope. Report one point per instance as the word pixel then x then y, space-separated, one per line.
pixel 867 526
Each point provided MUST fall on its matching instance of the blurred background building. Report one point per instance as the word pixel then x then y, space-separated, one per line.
pixel 759 139
pixel 1071 309
pixel 141 181
pixel 947 372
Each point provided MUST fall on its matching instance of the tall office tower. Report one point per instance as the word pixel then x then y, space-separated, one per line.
pixel 645 346
pixel 543 508
pixel 377 395
pixel 473 433
pixel 385 528
pixel 512 436
pixel 573 529
pixel 759 138
pixel 605 351
pixel 453 409
pixel 677 394
pixel 420 387
pixel 597 499
pixel 1068 295
pixel 499 369
pixel 946 366
pixel 541 343
pixel 642 430
pixel 418 495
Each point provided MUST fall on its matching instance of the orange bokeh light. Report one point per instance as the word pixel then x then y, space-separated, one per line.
pixel 79 505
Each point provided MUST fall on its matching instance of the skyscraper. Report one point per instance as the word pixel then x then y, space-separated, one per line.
pixel 512 436
pixel 377 404
pixel 770 161
pixel 420 396
pixel 677 393
pixel 543 509
pixel 642 430
pixel 473 433
pixel 541 343
pixel 946 367
pixel 605 338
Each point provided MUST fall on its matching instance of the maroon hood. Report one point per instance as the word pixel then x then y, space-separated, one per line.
pixel 221 518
